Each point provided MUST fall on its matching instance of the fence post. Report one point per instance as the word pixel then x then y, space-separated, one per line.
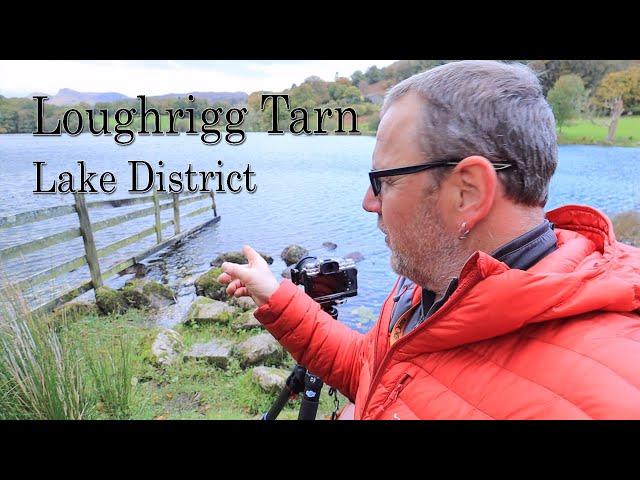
pixel 156 206
pixel 213 203
pixel 87 237
pixel 176 214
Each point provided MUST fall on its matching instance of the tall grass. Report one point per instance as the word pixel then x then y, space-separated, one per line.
pixel 40 378
pixel 111 364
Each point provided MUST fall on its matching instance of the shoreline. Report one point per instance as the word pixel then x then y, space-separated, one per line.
pixel 586 142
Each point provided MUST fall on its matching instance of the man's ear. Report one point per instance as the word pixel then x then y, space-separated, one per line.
pixel 473 185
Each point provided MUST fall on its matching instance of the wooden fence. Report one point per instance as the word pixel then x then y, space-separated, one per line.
pixel 86 230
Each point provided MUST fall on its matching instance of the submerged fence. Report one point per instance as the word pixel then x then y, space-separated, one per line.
pixel 86 230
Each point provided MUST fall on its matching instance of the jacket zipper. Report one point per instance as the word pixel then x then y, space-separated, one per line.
pixel 455 297
pixel 393 396
pixel 395 304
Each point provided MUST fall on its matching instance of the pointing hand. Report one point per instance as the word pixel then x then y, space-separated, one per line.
pixel 254 280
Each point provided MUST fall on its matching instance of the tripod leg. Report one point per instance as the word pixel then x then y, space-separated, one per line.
pixel 311 397
pixel 294 385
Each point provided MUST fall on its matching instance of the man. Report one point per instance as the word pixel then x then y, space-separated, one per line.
pixel 500 311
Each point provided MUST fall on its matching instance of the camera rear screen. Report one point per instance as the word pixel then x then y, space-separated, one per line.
pixel 324 285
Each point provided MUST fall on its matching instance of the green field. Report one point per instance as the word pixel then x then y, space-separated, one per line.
pixel 581 131
pixel 595 132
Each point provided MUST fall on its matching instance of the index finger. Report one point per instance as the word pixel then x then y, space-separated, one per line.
pixel 253 256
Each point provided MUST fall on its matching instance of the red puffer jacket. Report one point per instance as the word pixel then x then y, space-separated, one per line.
pixel 560 340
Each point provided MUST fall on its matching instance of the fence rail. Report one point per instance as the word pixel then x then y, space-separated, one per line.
pixel 86 230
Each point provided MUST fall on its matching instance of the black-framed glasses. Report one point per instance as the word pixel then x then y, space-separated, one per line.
pixel 376 175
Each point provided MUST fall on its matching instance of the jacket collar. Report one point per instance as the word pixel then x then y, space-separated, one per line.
pixel 589 271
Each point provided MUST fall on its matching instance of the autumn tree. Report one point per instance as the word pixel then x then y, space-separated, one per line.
pixel 616 90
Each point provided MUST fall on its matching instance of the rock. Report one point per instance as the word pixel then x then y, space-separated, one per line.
pixel 217 352
pixel 138 269
pixel 237 257
pixel 234 257
pixel 190 280
pixel 110 301
pixel 355 256
pixel 205 310
pixel 293 253
pixel 134 297
pixel 270 380
pixel 207 285
pixel 262 348
pixel 147 293
pixel 329 245
pixel 267 258
pixel 245 321
pixel 161 296
pixel 166 348
pixel 245 303
pixel 286 273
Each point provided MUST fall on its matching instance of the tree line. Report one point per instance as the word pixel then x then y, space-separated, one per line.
pixel 598 92
pixel 574 89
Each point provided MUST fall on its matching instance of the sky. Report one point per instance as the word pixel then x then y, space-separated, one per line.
pixel 21 78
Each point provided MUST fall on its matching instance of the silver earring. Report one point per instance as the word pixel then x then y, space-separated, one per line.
pixel 464 231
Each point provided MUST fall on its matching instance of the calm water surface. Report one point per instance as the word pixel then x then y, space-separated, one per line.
pixel 310 191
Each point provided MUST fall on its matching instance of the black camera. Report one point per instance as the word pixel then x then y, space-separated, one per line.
pixel 326 280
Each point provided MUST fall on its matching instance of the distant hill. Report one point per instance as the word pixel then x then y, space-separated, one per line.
pixel 232 98
pixel 66 96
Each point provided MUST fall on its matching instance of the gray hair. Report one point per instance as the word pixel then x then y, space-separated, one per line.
pixel 488 108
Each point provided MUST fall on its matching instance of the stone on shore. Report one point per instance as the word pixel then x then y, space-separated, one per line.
pixel 293 253
pixel 245 321
pixel 147 293
pixel 355 256
pixel 138 269
pixel 205 310
pixel 244 303
pixel 259 349
pixel 216 352
pixel 110 301
pixel 167 347
pixel 270 380
pixel 207 285
pixel 237 257
pixel 329 245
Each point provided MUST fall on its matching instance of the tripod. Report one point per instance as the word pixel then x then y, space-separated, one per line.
pixel 301 380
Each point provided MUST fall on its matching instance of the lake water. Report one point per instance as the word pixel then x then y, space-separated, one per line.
pixel 309 191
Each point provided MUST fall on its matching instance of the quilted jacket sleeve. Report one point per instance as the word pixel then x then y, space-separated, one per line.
pixel 324 346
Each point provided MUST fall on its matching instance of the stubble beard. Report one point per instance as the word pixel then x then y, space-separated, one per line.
pixel 427 254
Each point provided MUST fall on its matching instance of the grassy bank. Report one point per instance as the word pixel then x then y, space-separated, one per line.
pixel 115 378
pixel 594 132
pixel 84 365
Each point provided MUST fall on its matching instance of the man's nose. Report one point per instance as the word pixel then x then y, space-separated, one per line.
pixel 371 203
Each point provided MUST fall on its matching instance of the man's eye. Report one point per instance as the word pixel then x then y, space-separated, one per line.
pixel 387 181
